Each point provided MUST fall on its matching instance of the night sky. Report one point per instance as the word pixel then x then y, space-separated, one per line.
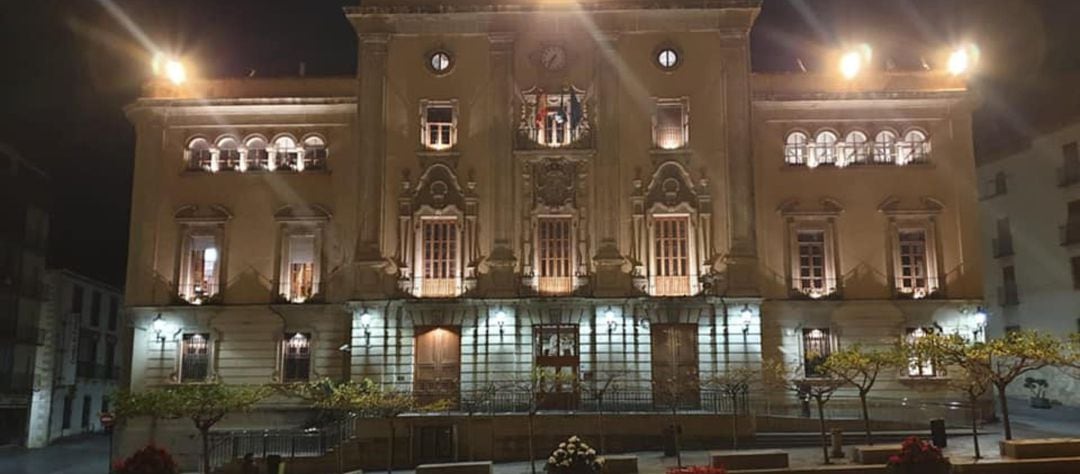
pixel 70 67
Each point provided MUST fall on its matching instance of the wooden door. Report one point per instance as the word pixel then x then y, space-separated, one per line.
pixel 675 365
pixel 438 364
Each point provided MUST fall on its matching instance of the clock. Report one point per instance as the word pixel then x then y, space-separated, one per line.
pixel 553 58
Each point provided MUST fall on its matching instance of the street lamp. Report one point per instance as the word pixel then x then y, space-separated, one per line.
pixel 746 317
pixel 609 317
pixel 979 319
pixel 500 320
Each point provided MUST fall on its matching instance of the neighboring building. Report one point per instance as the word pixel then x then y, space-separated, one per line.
pixel 505 187
pixel 1030 200
pixel 23 240
pixel 81 357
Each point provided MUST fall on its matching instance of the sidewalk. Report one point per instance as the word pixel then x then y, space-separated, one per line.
pixel 75 456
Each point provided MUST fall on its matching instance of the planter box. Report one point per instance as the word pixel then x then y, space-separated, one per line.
pixel 876 454
pixel 751 459
pixel 620 464
pixel 455 468
pixel 1040 448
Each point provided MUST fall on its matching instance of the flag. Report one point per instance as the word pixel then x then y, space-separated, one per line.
pixel 541 108
pixel 575 109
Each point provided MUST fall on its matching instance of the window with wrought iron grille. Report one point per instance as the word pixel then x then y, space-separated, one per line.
pixel 919 366
pixel 817 347
pixel 796 148
pixel 824 149
pixel 195 357
pixel 296 358
pixel 439 126
pixel 811 276
pixel 672 252
pixel 912 275
pixel 554 255
pixel 671 124
pixel 201 268
pixel 439 243
pixel 300 268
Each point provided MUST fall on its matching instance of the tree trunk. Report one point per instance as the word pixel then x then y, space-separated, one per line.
pixel 675 432
pixel 204 433
pixel 866 418
pixel 532 453
pixel 468 436
pixel 975 426
pixel 821 423
pixel 600 426
pixel 1004 412
pixel 390 448
pixel 735 422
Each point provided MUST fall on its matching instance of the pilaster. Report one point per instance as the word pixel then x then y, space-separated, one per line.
pixel 370 277
pixel 502 261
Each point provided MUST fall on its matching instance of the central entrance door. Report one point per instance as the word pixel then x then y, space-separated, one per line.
pixel 675 365
pixel 438 364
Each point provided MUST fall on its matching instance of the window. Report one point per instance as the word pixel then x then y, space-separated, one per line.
pixel 195 357
pixel 315 154
pixel 86 365
pixel 439 125
pixel 286 155
pixel 671 124
pixel 198 155
pixel 854 149
pixel 296 363
pixel 440 62
pixel 817 346
pixel 95 309
pixel 671 238
pixel 1070 170
pixel 810 278
pixel 76 299
pixel 1010 294
pixel 200 279
pixel 554 256
pixel 257 157
pixel 912 275
pixel 69 402
pixel 667 58
pixel 1076 272
pixel 1071 230
pixel 440 249
pixel 885 147
pixel 299 283
pixel 557 356
pixel 111 370
pixel 114 313
pixel 914 149
pixel 824 151
pixel 1001 184
pixel 228 155
pixel 558 119
pixel 1003 244
pixel 87 402
pixel 795 149
pixel 104 404
pixel 919 366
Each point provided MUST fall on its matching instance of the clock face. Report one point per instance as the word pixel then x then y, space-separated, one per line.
pixel 553 58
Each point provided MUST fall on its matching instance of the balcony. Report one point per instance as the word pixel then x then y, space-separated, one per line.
pixel 1068 176
pixel 1002 248
pixel 537 139
pixel 814 289
pixel 1069 234
pixel 671 286
pixel 439 288
pixel 555 286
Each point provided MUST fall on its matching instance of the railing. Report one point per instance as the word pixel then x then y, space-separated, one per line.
pixel 1070 233
pixel 806 287
pixel 228 446
pixel 539 139
pixel 438 287
pixel 1002 247
pixel 555 285
pixel 881 409
pixel 671 286
pixel 846 154
pixel 1068 176
pixel 616 401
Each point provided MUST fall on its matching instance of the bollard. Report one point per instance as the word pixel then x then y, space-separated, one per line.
pixel 837 443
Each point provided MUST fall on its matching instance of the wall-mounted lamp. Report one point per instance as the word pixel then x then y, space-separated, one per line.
pixel 500 320
pixel 158 326
pixel 746 317
pixel 979 318
pixel 365 322
pixel 609 318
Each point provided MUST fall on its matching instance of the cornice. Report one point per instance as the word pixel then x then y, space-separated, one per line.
pixel 421 7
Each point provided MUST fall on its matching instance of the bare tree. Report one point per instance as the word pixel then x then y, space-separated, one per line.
pixel 860 367
pixel 539 386
pixel 819 388
pixel 734 384
pixel 602 387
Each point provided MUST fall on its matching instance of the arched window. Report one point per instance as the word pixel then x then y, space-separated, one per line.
pixel 228 153
pixel 795 148
pixel 824 148
pixel 257 157
pixel 885 147
pixel 854 149
pixel 285 153
pixel 914 149
pixel 198 154
pixel 314 153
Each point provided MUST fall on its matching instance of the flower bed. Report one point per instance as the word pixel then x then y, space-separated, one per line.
pixel 918 456
pixel 574 457
pixel 697 470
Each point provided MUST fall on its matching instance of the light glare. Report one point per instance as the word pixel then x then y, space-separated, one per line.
pixel 853 60
pixel 962 60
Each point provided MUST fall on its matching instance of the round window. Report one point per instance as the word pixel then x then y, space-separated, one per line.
pixel 440 62
pixel 667 58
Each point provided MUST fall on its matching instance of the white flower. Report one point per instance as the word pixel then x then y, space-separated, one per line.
pixel 551 460
pixel 592 452
pixel 574 439
pixel 562 445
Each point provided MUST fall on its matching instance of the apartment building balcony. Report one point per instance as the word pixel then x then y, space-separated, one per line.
pixel 1008 296
pixel 1069 234
pixel 578 139
pixel 1068 176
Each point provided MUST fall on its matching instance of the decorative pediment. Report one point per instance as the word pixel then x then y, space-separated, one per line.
pixel 438 191
pixel 671 189
pixel 302 213
pixel 207 213
pixel 927 206
pixel 826 207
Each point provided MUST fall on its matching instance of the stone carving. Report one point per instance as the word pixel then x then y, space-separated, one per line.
pixel 555 183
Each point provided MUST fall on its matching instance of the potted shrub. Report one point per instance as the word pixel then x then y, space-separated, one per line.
pixel 1037 387
pixel 148 460
pixel 574 457
pixel 918 457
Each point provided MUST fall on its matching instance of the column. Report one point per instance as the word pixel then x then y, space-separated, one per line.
pixel 503 202
pixel 371 113
pixel 742 269
pixel 609 279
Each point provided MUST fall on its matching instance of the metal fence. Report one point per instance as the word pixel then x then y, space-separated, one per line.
pixel 228 446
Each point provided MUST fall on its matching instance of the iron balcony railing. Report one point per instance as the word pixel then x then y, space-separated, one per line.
pixel 1002 247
